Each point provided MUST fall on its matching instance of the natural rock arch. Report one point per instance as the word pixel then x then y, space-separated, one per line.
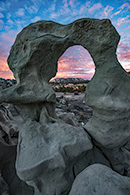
pixel 38 47
pixel 35 53
pixel 49 148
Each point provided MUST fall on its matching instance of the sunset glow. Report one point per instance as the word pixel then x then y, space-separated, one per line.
pixel 76 61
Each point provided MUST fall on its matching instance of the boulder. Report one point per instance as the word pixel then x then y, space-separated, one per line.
pixel 48 153
pixel 99 180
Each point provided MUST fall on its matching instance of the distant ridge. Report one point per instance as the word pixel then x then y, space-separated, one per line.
pixel 67 80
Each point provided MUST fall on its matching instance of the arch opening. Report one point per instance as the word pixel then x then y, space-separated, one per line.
pixel 75 62
pixel 75 70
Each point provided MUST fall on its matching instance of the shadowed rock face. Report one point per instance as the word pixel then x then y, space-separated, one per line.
pixel 46 144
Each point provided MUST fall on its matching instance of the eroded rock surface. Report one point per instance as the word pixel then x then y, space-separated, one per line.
pixel 99 180
pixel 57 147
pixel 10 184
pixel 48 148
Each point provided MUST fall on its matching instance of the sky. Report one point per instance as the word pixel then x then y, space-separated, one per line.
pixel 76 61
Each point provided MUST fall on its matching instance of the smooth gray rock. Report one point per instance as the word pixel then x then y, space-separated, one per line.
pixel 108 95
pixel 48 148
pixel 93 156
pixel 34 56
pixel 47 154
pixel 119 158
pixel 100 180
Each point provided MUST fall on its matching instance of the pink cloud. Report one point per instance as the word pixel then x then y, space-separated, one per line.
pixel 54 15
pixel 1 15
pixel 82 9
pixel 123 45
pixel 128 36
pixel 9 36
pixel 36 18
pixel 121 9
pixel 65 3
pixel 72 3
pixel 124 55
pixel 95 7
pixel 5 36
pixel 127 5
pixel 116 13
pixel 107 11
pixel 123 20
pixel 1 21
pixel 127 28
pixel 1 24
pixel 123 48
pixel 87 4
pixel 65 9
pixel 6 75
pixel 20 12
pixel 9 21
pixel 32 9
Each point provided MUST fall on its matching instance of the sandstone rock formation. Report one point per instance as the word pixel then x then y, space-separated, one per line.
pixel 51 153
pixel 98 180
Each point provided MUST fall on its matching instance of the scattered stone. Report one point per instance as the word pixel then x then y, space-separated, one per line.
pixel 81 112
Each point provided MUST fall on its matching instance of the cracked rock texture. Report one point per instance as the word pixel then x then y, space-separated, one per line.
pixel 50 152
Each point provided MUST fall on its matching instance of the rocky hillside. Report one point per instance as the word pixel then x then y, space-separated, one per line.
pixel 67 80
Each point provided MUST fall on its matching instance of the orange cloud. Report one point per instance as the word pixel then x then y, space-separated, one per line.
pixel 9 36
pixel 5 72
